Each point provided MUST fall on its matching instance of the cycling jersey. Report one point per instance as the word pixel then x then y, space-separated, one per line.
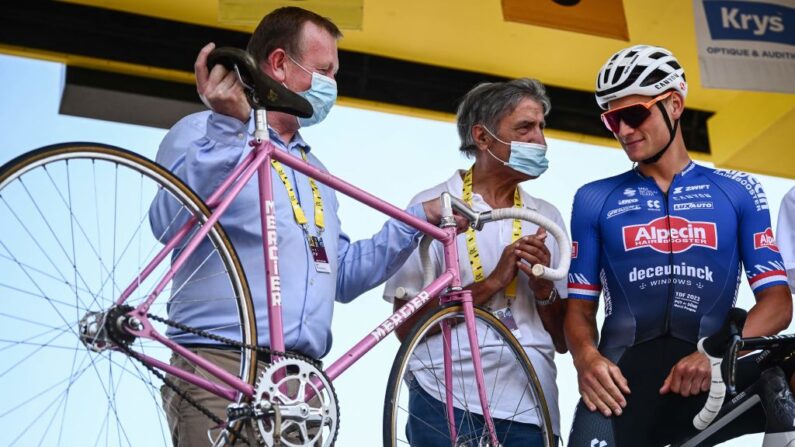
pixel 669 263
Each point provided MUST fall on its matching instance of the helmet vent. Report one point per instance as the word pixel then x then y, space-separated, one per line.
pixel 617 74
pixel 655 76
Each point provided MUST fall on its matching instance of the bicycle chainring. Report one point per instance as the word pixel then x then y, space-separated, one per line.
pixel 306 403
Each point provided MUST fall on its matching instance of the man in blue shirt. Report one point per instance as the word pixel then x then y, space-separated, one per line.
pixel 298 49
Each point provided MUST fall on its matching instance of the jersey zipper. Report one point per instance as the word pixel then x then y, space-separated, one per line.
pixel 669 301
pixel 671 291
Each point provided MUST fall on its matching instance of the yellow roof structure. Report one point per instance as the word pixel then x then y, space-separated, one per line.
pixel 749 130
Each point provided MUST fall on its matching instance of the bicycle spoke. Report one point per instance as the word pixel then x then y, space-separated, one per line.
pixel 77 232
pixel 31 268
pixel 52 232
pixel 420 365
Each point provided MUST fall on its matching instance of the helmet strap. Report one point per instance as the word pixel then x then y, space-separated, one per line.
pixel 671 129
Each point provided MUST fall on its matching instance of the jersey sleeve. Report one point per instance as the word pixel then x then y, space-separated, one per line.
pixel 585 246
pixel 758 250
pixel 785 235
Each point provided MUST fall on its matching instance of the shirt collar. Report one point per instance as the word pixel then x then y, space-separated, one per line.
pixel 296 143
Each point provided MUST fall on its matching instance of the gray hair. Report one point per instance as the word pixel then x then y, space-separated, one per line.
pixel 490 102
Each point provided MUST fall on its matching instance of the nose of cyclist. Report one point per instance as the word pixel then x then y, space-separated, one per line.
pixel 625 132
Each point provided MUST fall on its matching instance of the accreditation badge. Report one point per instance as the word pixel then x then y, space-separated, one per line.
pixel 506 317
pixel 319 254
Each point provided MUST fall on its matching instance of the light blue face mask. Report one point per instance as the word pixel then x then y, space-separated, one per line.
pixel 322 94
pixel 527 158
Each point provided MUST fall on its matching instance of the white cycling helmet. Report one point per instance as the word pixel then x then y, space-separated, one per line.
pixel 639 70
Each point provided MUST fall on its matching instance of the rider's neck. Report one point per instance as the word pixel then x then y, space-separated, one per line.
pixel 673 161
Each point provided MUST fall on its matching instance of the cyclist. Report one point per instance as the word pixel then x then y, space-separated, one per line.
pixel 663 243
pixel 318 262
pixel 786 235
pixel 501 126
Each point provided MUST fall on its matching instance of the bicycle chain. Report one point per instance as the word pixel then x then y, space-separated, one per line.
pixel 227 341
pixel 202 409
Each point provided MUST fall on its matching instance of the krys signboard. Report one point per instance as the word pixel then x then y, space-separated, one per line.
pixel 746 45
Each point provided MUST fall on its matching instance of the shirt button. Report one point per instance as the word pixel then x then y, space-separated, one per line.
pixel 311 282
pixel 240 136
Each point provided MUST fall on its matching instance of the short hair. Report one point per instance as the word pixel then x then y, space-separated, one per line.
pixel 282 28
pixel 490 102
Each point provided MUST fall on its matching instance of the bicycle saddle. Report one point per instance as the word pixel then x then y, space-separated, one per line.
pixel 261 90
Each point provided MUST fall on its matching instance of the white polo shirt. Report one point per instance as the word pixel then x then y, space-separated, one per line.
pixel 785 235
pixel 536 341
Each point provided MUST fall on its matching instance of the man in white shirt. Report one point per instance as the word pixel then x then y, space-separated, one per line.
pixel 501 126
pixel 785 235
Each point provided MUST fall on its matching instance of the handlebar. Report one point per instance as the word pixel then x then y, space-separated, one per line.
pixel 478 219
pixel 721 349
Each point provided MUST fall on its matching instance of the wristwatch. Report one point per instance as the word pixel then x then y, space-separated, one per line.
pixel 553 296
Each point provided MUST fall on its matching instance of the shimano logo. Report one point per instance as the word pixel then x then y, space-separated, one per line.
pixel 733 18
pixel 680 236
pixel 682 269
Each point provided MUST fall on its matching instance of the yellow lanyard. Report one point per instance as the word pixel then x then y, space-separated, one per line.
pixel 472 248
pixel 298 213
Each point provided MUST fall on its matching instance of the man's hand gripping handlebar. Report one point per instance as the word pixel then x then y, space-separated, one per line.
pixel 721 350
pixel 477 220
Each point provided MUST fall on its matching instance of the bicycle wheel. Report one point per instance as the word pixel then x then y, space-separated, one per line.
pixel 76 232
pixel 418 370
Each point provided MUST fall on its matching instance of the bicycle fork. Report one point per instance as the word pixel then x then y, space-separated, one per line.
pixel 465 296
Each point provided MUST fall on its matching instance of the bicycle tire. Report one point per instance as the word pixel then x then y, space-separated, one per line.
pixel 396 408
pixel 46 200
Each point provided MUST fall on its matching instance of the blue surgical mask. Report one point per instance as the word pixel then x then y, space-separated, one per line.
pixel 527 158
pixel 322 94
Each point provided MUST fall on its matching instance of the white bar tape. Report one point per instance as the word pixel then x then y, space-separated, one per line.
pixel 717 392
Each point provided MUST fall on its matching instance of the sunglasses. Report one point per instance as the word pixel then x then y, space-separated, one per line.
pixel 632 115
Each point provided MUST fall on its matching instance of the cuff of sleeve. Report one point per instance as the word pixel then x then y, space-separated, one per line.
pixel 419 212
pixel 226 129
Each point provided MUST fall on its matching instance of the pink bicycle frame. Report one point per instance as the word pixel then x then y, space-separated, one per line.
pixel 259 162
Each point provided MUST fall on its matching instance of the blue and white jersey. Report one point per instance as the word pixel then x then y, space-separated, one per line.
pixel 670 263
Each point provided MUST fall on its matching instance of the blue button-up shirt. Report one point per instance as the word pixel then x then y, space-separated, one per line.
pixel 202 149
